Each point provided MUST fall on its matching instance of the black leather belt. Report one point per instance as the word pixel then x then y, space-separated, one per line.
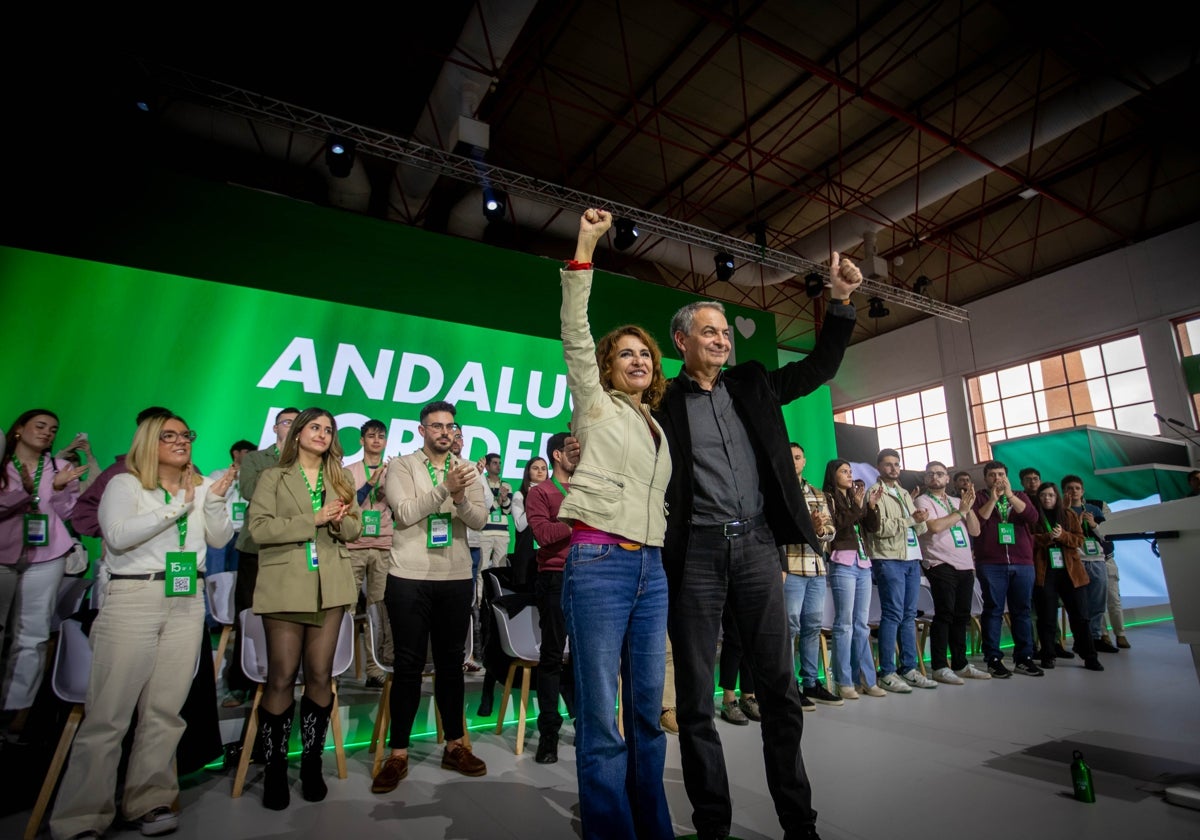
pixel 736 528
pixel 149 576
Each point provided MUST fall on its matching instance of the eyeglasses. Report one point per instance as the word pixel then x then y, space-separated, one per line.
pixel 284 423
pixel 937 472
pixel 174 437
pixel 442 427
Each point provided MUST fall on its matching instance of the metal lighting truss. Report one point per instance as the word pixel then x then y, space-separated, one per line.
pixel 269 111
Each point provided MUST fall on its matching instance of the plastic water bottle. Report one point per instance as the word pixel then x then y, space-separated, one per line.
pixel 1081 778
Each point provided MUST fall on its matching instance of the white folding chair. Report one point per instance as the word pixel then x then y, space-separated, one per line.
pixel 521 639
pixel 924 620
pixel 254 664
pixel 976 612
pixel 220 589
pixel 71 593
pixel 69 681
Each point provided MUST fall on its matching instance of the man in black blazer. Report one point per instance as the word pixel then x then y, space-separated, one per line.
pixel 732 501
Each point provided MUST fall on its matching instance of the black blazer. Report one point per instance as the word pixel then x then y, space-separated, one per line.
pixel 757 394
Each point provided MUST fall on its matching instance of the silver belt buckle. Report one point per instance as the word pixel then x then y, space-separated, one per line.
pixel 735 524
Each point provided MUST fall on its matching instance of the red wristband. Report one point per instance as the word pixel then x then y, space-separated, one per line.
pixel 578 266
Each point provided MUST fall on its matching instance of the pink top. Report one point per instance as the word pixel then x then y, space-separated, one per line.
pixel 56 504
pixel 590 536
pixel 849 557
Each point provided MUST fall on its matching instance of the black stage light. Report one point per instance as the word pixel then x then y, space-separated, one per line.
pixel 814 284
pixel 627 234
pixel 921 284
pixel 495 203
pixel 724 264
pixel 877 309
pixel 339 156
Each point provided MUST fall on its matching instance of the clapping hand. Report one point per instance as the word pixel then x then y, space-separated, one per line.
pixel 221 486
pixel 333 511
pixel 64 477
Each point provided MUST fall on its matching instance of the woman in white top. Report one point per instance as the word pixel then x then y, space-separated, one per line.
pixel 158 520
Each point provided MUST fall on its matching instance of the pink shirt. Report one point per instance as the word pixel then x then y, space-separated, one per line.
pixel 940 548
pixel 56 504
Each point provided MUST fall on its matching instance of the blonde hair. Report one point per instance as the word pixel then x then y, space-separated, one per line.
pixel 606 354
pixel 331 459
pixel 142 458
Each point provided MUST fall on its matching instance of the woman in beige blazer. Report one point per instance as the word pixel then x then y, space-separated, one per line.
pixel 303 513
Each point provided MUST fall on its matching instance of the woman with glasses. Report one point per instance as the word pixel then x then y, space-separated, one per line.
pixel 614 589
pixel 303 513
pixel 1059 574
pixel 158 520
pixel 37 495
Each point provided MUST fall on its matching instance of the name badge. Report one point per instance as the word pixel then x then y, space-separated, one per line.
pixel 310 550
pixel 1056 558
pixel 495 517
pixel 1091 547
pixel 371 520
pixel 37 529
pixel 960 539
pixel 1007 533
pixel 181 574
pixel 238 514
pixel 912 536
pixel 441 532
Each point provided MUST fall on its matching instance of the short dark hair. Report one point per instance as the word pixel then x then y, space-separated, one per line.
pixel 372 424
pixel 1067 479
pixel 961 472
pixel 886 453
pixel 487 458
pixel 242 446
pixel 153 411
pixel 795 445
pixel 291 409
pixel 940 464
pixel 557 442
pixel 1029 471
pixel 435 406
pixel 994 465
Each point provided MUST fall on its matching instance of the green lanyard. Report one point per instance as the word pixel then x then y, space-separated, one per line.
pixel 367 467
pixel 1082 522
pixel 561 489
pixel 275 449
pixel 181 522
pixel 1003 506
pixel 37 479
pixel 316 494
pixel 433 475
pixel 949 510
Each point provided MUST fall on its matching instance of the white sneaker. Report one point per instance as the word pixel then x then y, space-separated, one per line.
pixel 918 680
pixel 847 692
pixel 872 691
pixel 892 682
pixel 973 673
pixel 945 675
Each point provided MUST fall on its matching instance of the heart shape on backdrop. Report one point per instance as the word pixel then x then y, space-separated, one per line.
pixel 745 326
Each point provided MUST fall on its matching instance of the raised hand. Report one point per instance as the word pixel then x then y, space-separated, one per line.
pixel 64 477
pixel 592 225
pixel 188 483
pixel 221 486
pixel 844 277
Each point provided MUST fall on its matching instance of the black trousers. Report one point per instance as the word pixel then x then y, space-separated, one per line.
pixel 745 572
pixel 553 675
pixel 1058 585
pixel 952 590
pixel 735 668
pixel 426 613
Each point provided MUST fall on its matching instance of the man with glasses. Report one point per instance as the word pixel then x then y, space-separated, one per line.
pixel 950 523
pixel 435 497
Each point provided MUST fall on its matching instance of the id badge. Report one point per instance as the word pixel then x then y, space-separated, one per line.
pixel 1056 558
pixel 239 512
pixel 181 574
pixel 960 539
pixel 1091 547
pixel 37 529
pixel 1008 533
pixel 310 549
pixel 371 521
pixel 440 531
pixel 495 517
pixel 912 537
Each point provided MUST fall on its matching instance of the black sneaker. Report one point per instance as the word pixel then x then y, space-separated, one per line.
pixel 820 694
pixel 547 749
pixel 1093 665
pixel 1061 652
pixel 996 668
pixel 807 705
pixel 1048 663
pixel 1105 646
pixel 1026 667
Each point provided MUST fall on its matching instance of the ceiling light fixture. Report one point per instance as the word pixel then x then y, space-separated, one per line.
pixel 814 284
pixel 339 156
pixel 921 284
pixel 627 234
pixel 877 309
pixel 495 203
pixel 724 264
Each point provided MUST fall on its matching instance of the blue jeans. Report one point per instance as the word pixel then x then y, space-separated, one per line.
pixel 615 604
pixel 805 600
pixel 852 657
pixel 1000 583
pixel 899 581
pixel 1097 596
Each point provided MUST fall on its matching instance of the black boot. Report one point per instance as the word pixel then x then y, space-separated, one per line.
pixel 488 698
pixel 273 733
pixel 547 748
pixel 314 720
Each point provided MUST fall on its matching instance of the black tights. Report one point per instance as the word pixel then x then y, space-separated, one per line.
pixel 286 642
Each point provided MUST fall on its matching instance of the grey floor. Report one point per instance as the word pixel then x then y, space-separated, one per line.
pixel 986 760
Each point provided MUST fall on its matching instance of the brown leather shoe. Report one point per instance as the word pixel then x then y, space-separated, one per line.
pixel 1122 643
pixel 464 761
pixel 393 771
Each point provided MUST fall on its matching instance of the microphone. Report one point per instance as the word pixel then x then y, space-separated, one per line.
pixel 1183 430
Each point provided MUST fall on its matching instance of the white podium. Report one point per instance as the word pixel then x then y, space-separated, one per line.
pixel 1180 558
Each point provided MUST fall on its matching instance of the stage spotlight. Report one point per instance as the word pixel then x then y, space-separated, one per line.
pixel 495 203
pixel 759 229
pixel 627 234
pixel 877 309
pixel 921 284
pixel 339 156
pixel 814 284
pixel 724 264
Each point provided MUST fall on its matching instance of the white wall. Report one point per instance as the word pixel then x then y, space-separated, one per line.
pixel 1139 288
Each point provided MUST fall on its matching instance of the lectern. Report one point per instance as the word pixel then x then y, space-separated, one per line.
pixel 1176 527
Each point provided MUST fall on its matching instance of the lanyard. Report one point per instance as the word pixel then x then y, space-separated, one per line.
pixel 561 489
pixel 181 522
pixel 943 505
pixel 1003 506
pixel 316 494
pixel 367 468
pixel 432 474
pixel 1081 511
pixel 37 479
pixel 895 494
pixel 1046 522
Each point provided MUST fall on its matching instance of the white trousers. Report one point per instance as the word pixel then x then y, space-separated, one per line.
pixel 27 602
